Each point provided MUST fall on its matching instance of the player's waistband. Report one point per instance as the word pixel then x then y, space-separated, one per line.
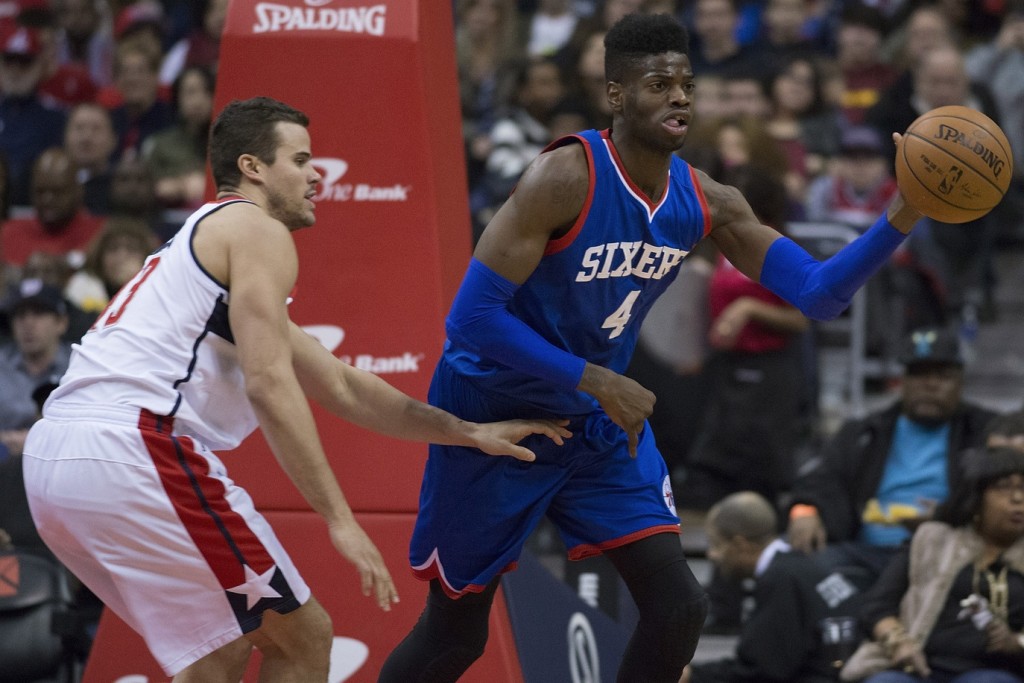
pixel 128 416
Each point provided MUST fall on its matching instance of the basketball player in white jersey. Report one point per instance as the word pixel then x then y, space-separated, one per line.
pixel 190 357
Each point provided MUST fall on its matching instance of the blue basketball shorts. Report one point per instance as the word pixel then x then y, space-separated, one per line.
pixel 477 511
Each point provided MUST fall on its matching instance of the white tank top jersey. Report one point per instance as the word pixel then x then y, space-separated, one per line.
pixel 164 344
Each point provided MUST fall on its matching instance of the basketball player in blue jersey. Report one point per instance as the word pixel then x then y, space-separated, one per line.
pixel 544 325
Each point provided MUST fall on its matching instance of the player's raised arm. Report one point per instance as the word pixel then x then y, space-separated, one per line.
pixel 366 400
pixel 821 290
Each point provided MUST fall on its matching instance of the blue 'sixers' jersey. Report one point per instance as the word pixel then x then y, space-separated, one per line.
pixel 593 287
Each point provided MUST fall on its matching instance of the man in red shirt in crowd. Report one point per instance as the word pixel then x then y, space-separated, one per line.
pixel 61 224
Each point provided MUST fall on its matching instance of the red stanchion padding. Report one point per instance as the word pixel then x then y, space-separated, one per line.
pixel 392 239
pixel 363 634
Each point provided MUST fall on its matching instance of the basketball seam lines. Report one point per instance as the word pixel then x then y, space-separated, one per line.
pixel 968 165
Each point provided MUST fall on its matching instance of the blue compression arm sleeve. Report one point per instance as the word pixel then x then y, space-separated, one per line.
pixel 481 322
pixel 822 290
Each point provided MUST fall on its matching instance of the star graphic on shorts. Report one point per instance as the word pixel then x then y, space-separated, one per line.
pixel 256 586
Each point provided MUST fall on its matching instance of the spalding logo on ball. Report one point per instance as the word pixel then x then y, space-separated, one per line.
pixel 954 164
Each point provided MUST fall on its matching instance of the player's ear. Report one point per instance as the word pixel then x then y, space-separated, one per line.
pixel 614 92
pixel 250 166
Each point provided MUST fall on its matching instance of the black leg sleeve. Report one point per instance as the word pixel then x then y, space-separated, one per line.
pixel 449 636
pixel 672 607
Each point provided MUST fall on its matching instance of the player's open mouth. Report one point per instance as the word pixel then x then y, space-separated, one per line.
pixel 677 124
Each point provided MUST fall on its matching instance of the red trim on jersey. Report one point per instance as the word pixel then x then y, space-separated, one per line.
pixel 432 571
pixel 702 199
pixel 652 206
pixel 581 552
pixel 557 245
pixel 221 535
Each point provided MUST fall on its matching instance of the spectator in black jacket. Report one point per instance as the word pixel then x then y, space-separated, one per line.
pixel 781 639
pixel 882 475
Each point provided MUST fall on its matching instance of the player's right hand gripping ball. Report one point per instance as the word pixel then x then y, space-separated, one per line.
pixel 954 164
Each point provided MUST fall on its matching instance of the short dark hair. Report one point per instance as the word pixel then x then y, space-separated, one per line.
pixel 636 36
pixel 981 468
pixel 247 127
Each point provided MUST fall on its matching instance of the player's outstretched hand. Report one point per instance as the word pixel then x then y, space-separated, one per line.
pixel 352 542
pixel 627 403
pixel 501 438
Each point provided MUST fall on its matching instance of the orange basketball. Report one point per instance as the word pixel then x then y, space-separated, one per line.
pixel 954 164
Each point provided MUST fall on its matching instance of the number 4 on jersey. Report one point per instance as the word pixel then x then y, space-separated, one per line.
pixel 616 322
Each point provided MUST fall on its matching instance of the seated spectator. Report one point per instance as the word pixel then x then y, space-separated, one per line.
pixel 781 638
pixel 141 25
pixel 751 425
pixel 926 27
pixel 938 79
pixel 90 143
pixel 200 48
pixel 783 35
pixel 142 112
pixel 30 123
pixel 880 476
pixel 55 271
pixel 65 83
pixel 115 256
pixel 85 38
pixel 865 74
pixel 789 88
pixel 61 224
pixel 859 185
pixel 745 94
pixel 519 134
pixel 177 155
pixel 487 37
pixel 133 195
pixel 38 316
pixel 715 45
pixel 586 81
pixel 951 606
pixel 802 119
